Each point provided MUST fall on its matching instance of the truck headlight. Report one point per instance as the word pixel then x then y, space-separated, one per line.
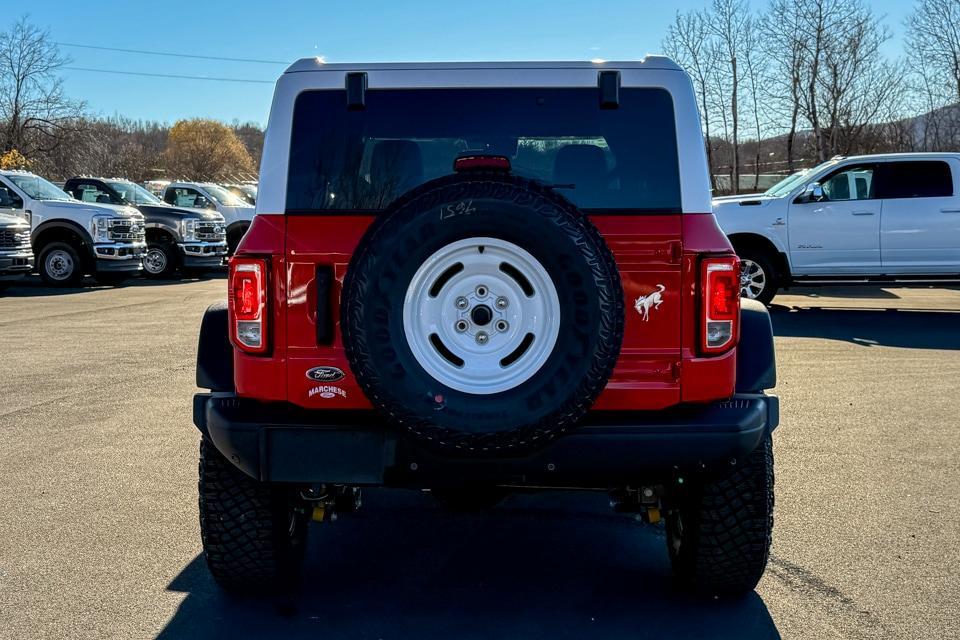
pixel 188 229
pixel 100 228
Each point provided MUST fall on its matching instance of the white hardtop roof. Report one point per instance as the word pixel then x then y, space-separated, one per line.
pixel 317 64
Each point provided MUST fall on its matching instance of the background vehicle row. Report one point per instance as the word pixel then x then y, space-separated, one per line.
pixel 193 239
pixel 108 228
pixel 72 238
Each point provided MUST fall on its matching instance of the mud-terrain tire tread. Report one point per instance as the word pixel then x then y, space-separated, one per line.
pixel 563 214
pixel 728 527
pixel 244 528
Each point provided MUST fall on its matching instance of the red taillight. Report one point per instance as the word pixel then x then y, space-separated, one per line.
pixel 248 304
pixel 720 304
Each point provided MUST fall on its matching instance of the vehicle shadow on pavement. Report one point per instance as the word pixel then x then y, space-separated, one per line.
pixel 34 287
pixel 870 327
pixel 539 566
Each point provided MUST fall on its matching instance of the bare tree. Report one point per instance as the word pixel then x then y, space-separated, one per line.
pixel 251 135
pixel 933 56
pixel 719 102
pixel 782 44
pixel 933 36
pixel 34 112
pixel 857 85
pixel 755 75
pixel 688 43
pixel 730 22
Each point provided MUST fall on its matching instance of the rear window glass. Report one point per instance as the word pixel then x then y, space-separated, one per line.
pixel 915 179
pixel 623 158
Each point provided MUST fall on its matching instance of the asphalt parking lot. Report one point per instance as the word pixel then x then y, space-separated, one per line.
pixel 98 523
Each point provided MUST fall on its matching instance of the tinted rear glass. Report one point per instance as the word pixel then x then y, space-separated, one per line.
pixel 601 159
pixel 915 179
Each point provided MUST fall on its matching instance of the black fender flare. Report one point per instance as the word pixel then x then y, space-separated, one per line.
pixel 67 225
pixel 233 227
pixel 214 351
pixel 756 357
pixel 170 230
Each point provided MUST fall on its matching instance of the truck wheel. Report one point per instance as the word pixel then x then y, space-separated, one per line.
pixel 482 314
pixel 719 532
pixel 253 533
pixel 758 278
pixel 59 265
pixel 161 259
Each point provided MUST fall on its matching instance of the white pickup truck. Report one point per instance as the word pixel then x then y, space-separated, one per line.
pixel 876 218
pixel 71 238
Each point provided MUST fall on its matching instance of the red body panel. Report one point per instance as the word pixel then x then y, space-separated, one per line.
pixel 658 365
pixel 711 378
pixel 263 376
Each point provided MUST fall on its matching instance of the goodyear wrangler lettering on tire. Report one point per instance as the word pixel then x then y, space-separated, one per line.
pixel 487 332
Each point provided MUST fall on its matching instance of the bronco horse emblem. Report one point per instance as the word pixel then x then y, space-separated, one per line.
pixel 650 301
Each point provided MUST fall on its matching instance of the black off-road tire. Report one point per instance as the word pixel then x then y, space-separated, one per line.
pixel 75 277
pixel 765 261
pixel 719 533
pixel 511 209
pixel 253 533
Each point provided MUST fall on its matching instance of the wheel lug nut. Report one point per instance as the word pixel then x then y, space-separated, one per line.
pixel 482 338
pixel 502 303
pixel 481 291
pixel 502 325
pixel 462 303
pixel 461 326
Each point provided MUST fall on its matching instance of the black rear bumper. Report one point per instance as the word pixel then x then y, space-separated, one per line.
pixel 282 443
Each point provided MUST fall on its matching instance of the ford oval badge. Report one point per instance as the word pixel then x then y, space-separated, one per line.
pixel 325 374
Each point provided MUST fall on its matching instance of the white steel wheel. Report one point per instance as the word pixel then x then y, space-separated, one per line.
pixel 753 279
pixel 481 315
pixel 59 265
pixel 155 261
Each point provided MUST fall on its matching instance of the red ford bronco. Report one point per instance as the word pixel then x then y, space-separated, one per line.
pixel 471 278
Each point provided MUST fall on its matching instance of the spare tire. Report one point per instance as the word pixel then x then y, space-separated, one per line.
pixel 483 314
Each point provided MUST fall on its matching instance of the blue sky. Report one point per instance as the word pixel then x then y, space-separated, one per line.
pixel 357 31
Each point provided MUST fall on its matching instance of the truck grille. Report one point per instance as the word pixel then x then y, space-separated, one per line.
pixel 128 231
pixel 14 238
pixel 211 231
